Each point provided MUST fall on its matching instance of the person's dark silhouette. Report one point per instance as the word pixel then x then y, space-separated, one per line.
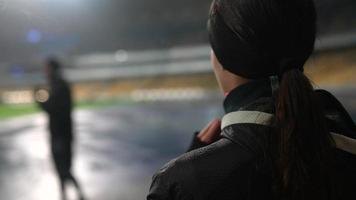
pixel 58 105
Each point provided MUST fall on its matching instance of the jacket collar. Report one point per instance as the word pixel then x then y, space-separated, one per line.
pixel 247 93
pixel 341 126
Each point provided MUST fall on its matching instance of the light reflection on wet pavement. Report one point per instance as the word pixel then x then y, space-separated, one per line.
pixel 118 148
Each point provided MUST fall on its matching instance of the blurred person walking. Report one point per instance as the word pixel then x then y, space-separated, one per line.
pixel 57 103
pixel 280 138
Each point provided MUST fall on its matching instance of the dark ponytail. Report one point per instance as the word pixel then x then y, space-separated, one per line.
pixel 304 143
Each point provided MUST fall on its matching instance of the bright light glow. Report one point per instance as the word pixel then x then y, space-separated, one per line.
pixel 174 94
pixel 42 96
pixel 121 56
pixel 34 36
pixel 17 97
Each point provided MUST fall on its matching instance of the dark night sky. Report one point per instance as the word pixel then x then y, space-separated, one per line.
pixel 32 29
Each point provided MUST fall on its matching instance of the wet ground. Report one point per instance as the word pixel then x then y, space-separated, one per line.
pixel 118 148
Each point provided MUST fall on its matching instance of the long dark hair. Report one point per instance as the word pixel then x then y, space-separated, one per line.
pixel 276 37
pixel 304 144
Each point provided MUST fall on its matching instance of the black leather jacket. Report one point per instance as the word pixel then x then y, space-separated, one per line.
pixel 236 168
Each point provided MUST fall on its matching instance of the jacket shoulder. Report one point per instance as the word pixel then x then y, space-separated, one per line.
pixel 167 182
pixel 338 118
pixel 200 173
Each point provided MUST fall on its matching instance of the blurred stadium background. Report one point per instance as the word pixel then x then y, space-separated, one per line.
pixel 117 47
pixel 137 68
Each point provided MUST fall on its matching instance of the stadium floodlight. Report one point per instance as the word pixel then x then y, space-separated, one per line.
pixel 121 56
pixel 34 36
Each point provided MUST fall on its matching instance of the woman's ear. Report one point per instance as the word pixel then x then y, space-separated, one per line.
pixel 218 69
pixel 227 81
pixel 215 62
